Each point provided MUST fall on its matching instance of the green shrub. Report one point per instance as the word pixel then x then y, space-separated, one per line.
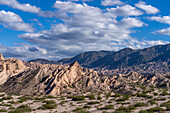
pixel 167 105
pixel 14 111
pixel 110 101
pixel 107 107
pixel 71 103
pixel 4 104
pixel 7 98
pixel 122 109
pixel 49 96
pixel 24 98
pixel 91 97
pixel 21 109
pixel 11 102
pixel 155 94
pixel 3 110
pixel 123 103
pixel 38 99
pixel 63 102
pixel 49 104
pixel 131 107
pixel 144 95
pixel 159 99
pixel 63 112
pixel 143 87
pixel 122 99
pixel 105 112
pixel 85 106
pixel 147 91
pixel 152 110
pixel 152 102
pixel 2 95
pixel 78 98
pixel 140 104
pixel 164 93
pixel 108 95
pixel 80 110
pixel 99 97
pixel 116 95
pixel 93 102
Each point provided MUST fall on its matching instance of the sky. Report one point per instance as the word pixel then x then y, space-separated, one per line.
pixel 55 29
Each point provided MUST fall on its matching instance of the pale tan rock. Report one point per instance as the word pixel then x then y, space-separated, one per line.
pixel 1 57
pixel 10 67
pixel 36 79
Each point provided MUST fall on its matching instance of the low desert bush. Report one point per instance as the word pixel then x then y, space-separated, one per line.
pixel 78 98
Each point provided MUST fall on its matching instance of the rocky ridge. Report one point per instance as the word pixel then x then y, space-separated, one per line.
pixel 154 59
pixel 35 79
pixel 10 67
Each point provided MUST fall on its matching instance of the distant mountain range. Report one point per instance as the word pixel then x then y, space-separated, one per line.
pixel 158 55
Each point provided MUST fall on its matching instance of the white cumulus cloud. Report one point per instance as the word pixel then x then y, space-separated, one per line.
pixel 13 21
pixel 27 8
pixel 164 19
pixel 24 7
pixel 165 31
pixel 111 2
pixel 6 17
pixel 148 8
pixel 125 10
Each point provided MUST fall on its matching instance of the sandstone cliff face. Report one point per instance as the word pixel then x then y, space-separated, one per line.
pixel 9 67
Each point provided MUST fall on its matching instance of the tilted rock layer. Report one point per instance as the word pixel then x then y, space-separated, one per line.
pixel 36 79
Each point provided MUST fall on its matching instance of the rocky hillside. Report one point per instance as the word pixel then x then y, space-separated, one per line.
pixel 44 61
pixel 87 58
pixel 36 79
pixel 154 59
pixel 10 67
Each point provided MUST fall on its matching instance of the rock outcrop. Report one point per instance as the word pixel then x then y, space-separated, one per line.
pixel 10 67
pixel 56 79
pixel 1 57
pixel 48 79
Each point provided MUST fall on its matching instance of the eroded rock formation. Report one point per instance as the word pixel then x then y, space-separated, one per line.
pixel 36 79
pixel 10 67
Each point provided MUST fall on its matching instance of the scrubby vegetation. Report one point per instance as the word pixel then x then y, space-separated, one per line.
pixel 78 98
pixel 49 104
pixel 21 109
pixel 167 105
pixel 91 97
pixel 140 104
pixel 80 110
pixel 85 102
pixel 152 102
pixel 153 110
pixel 107 107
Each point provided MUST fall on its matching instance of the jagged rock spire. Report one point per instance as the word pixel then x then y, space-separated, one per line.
pixel 74 64
pixel 1 57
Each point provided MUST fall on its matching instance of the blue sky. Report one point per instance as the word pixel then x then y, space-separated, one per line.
pixel 54 29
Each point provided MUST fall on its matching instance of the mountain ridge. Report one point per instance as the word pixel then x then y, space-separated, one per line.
pixel 124 58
